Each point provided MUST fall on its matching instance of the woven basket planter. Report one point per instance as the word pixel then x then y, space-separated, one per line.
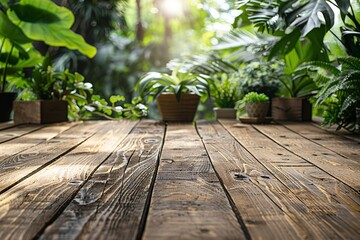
pixel 257 109
pixel 182 111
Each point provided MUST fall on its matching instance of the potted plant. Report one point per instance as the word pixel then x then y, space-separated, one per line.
pixel 256 106
pixel 53 96
pixel 20 27
pixel 225 91
pixel 177 95
pixel 262 77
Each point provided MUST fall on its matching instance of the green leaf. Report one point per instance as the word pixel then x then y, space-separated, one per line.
pixel 54 31
pixel 115 99
pixel 306 16
pixel 285 44
pixel 11 31
pixel 343 5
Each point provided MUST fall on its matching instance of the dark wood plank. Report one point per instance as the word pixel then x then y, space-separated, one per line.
pixel 345 169
pixel 188 201
pixel 4 125
pixel 316 121
pixel 21 165
pixel 345 147
pixel 329 207
pixel 17 131
pixel 29 206
pixel 27 141
pixel 241 174
pixel 114 198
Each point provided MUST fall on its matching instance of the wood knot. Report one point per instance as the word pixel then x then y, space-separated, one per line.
pixel 240 176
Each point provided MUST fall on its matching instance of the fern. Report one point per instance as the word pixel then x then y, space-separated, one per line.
pixel 344 85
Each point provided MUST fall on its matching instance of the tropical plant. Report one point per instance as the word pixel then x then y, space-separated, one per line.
pixel 152 84
pixel 262 77
pixel 291 20
pixel 254 97
pixel 340 91
pixel 25 21
pixel 256 104
pixel 208 64
pixel 225 90
pixel 45 84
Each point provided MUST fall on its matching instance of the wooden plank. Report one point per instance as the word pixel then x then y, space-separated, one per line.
pixel 329 208
pixel 262 216
pixel 30 205
pixel 17 131
pixel 19 166
pixel 332 129
pixel 345 147
pixel 344 169
pixel 27 141
pixel 4 125
pixel 188 201
pixel 114 198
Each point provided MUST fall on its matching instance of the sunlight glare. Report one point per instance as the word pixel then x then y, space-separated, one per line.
pixel 172 7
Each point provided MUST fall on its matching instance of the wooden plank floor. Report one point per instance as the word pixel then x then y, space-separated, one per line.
pixel 150 180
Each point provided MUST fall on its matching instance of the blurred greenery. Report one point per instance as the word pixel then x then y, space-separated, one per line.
pixel 258 40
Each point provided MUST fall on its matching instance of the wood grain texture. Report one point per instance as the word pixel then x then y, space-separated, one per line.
pixel 25 163
pixel 27 141
pixel 241 174
pixel 113 200
pixel 345 147
pixel 4 125
pixel 345 169
pixel 17 131
pixel 188 201
pixel 26 208
pixel 329 207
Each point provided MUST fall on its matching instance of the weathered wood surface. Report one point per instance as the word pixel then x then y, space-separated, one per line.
pixel 309 196
pixel 17 131
pixel 342 168
pixel 113 201
pixel 17 145
pixel 29 206
pixel 16 167
pixel 148 180
pixel 188 201
pixel 4 125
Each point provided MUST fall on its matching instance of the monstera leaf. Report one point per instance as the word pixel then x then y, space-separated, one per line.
pixel 42 20
pixel 305 16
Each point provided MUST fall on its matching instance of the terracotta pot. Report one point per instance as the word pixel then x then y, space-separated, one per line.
pixel 6 103
pixel 293 109
pixel 40 111
pixel 229 113
pixel 172 110
pixel 258 110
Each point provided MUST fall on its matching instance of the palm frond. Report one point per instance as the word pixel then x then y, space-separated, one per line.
pixel 202 64
pixel 241 38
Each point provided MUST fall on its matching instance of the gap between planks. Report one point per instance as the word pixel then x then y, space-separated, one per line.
pixel 112 204
pixel 188 201
pixel 26 208
pixel 312 186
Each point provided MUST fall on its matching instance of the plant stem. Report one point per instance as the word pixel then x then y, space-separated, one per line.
pixel 2 45
pixel 6 66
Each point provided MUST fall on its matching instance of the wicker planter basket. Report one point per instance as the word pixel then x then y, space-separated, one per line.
pixel 257 109
pixel 182 111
